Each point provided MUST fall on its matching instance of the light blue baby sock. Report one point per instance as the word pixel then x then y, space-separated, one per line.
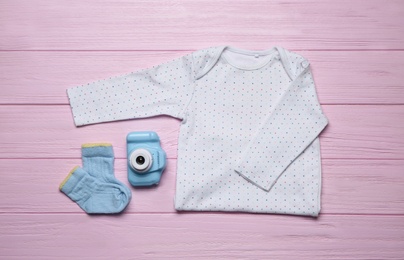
pixel 94 187
pixel 98 161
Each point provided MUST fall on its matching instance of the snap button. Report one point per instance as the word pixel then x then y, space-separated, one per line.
pixel 305 64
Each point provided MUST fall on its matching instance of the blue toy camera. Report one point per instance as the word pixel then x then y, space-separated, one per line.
pixel 146 159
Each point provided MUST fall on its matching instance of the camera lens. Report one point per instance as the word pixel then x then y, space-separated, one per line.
pixel 140 160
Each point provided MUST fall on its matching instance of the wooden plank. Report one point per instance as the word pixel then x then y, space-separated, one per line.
pixel 349 187
pixel 33 186
pixel 49 132
pixel 145 25
pixel 200 236
pixel 355 132
pixel 363 186
pixel 354 77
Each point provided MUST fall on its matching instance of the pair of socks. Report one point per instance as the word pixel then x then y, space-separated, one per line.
pixel 94 187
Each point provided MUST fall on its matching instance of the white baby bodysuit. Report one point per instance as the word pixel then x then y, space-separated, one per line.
pixel 249 131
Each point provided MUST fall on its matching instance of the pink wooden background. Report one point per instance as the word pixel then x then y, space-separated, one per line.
pixel 356 49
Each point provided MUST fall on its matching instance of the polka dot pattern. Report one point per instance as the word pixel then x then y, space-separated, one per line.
pixel 164 89
pixel 295 122
pixel 249 137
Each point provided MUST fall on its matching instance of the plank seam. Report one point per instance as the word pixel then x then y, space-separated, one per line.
pixel 175 158
pixel 191 50
pixel 321 103
pixel 206 213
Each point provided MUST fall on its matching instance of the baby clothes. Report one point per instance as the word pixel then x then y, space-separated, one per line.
pixel 94 187
pixel 249 129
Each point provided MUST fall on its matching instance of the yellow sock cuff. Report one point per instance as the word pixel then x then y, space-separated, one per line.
pixel 89 145
pixel 67 177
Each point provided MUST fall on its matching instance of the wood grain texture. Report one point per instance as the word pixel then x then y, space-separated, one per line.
pixel 353 77
pixel 349 186
pixel 48 131
pixel 200 236
pixel 181 24
pixel 357 56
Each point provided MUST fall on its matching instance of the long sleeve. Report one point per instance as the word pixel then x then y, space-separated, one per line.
pixel 164 89
pixel 294 124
